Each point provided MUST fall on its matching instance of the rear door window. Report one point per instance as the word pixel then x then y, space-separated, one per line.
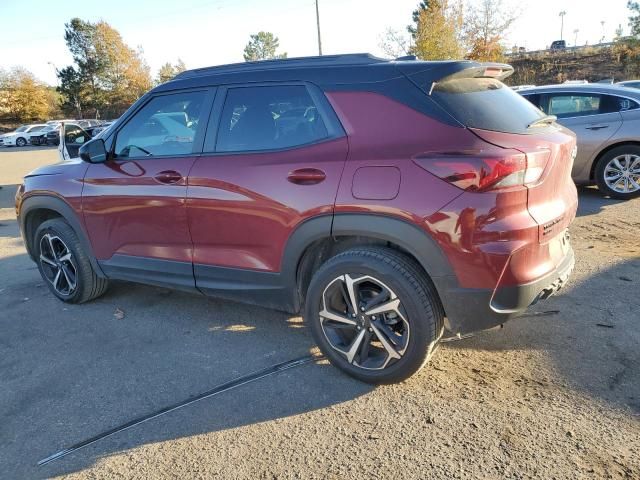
pixel 268 118
pixel 578 104
pixel 486 103
pixel 564 105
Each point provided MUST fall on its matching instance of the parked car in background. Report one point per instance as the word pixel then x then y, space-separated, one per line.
pixel 57 122
pixel 558 45
pixel 629 84
pixel 101 128
pixel 606 120
pixel 521 87
pixel 87 123
pixel 20 136
pixel 53 137
pixel 39 137
pixel 378 197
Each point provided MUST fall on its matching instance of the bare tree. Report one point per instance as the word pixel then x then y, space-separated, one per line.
pixel 394 43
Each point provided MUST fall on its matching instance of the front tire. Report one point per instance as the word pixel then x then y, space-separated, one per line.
pixel 618 172
pixel 64 265
pixel 20 142
pixel 374 314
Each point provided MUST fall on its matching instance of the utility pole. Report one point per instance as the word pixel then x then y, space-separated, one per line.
pixel 575 38
pixel 562 14
pixel 318 23
pixel 602 24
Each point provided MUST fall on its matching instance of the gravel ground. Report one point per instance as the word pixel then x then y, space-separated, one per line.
pixel 549 396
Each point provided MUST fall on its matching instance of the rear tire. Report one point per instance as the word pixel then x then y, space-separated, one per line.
pixel 396 322
pixel 617 173
pixel 64 265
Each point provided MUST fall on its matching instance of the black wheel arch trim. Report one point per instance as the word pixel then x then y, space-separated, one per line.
pixel 397 231
pixel 62 208
pixel 380 227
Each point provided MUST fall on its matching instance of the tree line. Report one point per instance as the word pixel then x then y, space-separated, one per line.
pixel 453 29
pixel 106 77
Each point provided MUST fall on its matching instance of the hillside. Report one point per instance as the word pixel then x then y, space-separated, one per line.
pixel 620 62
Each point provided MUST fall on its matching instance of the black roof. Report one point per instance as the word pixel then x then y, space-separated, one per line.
pixel 325 71
pixel 349 59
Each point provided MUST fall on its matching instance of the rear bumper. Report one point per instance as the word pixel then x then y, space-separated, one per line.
pixel 470 309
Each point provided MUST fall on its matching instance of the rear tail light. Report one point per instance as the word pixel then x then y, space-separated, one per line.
pixel 481 172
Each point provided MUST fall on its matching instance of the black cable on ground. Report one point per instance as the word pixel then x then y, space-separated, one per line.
pixel 225 387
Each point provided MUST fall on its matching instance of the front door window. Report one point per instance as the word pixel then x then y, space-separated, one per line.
pixel 166 125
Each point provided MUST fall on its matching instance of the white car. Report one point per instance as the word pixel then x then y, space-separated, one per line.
pixel 20 136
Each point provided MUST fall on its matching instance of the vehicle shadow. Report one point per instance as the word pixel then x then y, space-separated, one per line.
pixel 70 372
pixel 588 332
pixel 592 201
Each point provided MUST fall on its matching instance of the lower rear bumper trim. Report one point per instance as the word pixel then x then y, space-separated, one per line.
pixel 471 310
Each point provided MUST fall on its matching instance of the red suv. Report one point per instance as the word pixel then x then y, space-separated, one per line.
pixel 385 200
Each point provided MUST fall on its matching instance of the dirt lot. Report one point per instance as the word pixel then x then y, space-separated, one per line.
pixel 548 396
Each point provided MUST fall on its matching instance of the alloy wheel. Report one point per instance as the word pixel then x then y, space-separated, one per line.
pixel 58 265
pixel 622 173
pixel 364 321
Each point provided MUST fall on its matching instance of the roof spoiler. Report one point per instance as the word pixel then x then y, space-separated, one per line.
pixel 425 75
pixel 499 71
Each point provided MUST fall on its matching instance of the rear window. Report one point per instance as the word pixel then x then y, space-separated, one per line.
pixel 486 103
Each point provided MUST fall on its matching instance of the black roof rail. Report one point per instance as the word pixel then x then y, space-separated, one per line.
pixel 298 62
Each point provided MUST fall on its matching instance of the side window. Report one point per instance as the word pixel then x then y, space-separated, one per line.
pixel 573 104
pixel 613 103
pixel 166 125
pixel 266 118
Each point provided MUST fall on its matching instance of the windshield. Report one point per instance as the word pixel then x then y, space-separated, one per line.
pixel 486 103
pixel 21 129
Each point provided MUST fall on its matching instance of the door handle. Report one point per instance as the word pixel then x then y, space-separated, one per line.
pixel 306 176
pixel 597 127
pixel 168 177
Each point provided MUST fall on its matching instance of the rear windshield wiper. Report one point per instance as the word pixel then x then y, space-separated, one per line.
pixel 543 120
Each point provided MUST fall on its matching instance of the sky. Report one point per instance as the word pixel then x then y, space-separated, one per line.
pixel 213 32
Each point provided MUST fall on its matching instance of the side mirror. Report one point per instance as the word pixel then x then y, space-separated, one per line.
pixel 94 151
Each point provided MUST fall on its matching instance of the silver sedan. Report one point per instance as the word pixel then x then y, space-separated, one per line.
pixel 606 120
